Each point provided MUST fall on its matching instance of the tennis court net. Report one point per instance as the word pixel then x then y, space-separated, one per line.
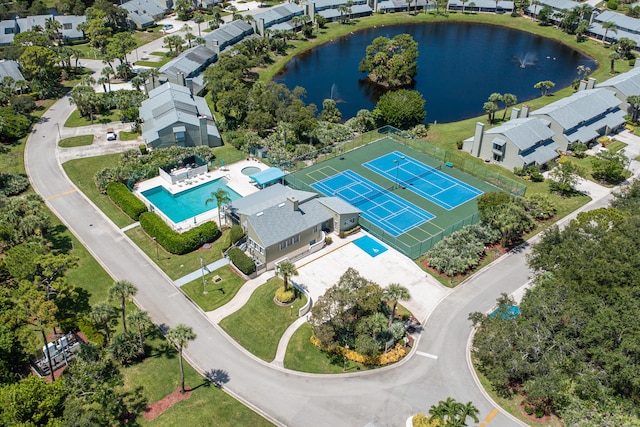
pixel 421 176
pixel 369 196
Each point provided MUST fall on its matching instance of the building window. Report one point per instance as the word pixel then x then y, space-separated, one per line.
pixel 67 26
pixel 9 30
pixel 497 147
pixel 315 228
pixel 289 242
pixel 497 157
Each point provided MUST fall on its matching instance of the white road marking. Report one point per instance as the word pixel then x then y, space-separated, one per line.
pixel 429 355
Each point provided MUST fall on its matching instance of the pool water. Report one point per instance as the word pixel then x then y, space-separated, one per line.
pixel 370 246
pixel 188 203
pixel 250 170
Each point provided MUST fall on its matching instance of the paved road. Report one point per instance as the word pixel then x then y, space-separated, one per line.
pixel 384 397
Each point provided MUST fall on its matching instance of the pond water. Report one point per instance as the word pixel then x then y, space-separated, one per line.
pixel 459 66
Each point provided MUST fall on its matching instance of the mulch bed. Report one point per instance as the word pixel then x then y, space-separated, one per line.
pixel 156 409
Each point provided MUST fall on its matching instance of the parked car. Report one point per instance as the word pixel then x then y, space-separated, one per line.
pixel 111 135
pixel 167 27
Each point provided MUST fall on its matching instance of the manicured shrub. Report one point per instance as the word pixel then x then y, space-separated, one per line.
pixel 528 409
pixel 421 420
pixel 143 149
pixel 12 184
pixel 178 243
pixel 285 296
pixel 91 332
pixel 126 200
pixel 242 261
pixel 612 5
pixel 539 412
pixel 235 234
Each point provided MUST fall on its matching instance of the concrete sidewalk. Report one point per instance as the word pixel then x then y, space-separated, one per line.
pixel 284 341
pixel 240 299
pixel 198 273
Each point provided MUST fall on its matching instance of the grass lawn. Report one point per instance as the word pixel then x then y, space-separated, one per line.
pixel 76 120
pixel 218 294
pixel 305 357
pixel 259 325
pixel 176 266
pixel 76 141
pixel 128 136
pixel 82 172
pixel 616 146
pixel 159 375
pixel 144 37
pixel 164 58
pixel 227 153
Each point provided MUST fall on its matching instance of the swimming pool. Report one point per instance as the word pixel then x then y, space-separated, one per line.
pixel 188 203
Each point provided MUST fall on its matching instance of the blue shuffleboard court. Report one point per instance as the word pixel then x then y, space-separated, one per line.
pixel 428 182
pixel 378 205
pixel 370 246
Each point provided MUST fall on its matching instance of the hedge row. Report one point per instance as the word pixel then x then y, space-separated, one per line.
pixel 175 242
pixel 242 261
pixel 236 234
pixel 126 200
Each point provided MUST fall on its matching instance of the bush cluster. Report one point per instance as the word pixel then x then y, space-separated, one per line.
pixel 126 200
pixel 175 242
pixel 12 184
pixel 392 356
pixel 242 261
pixel 285 296
pixel 421 420
pixel 235 234
pixel 461 250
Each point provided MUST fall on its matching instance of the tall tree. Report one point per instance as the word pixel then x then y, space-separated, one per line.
pixel 121 291
pixel 394 293
pixel 608 26
pixel 634 105
pixel 102 314
pixel 401 108
pixel 509 99
pixel 141 321
pixel 286 269
pixel 221 198
pixel 180 336
pixel 391 62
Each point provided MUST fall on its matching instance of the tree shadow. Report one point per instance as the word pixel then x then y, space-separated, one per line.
pixel 59 238
pixel 217 377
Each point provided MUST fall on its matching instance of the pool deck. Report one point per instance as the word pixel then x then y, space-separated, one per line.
pixel 237 181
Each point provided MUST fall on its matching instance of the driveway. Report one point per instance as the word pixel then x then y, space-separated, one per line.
pixel 389 267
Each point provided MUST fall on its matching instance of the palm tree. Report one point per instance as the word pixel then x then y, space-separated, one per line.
pixel 634 104
pixel 121 291
pixel 608 26
pixel 509 99
pixel 198 18
pixel 287 269
pixel 395 292
pixel 180 337
pixel 613 56
pixel 221 197
pixel 101 314
pixel 141 321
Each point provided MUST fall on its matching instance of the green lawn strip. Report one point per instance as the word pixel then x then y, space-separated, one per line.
pixel 218 294
pixel 259 325
pixel 159 375
pixel 128 136
pixel 616 146
pixel 144 37
pixel 176 266
pixel 228 153
pixel 82 173
pixel 75 120
pixel 305 357
pixel 76 141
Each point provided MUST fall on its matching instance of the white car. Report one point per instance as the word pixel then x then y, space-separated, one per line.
pixel 111 135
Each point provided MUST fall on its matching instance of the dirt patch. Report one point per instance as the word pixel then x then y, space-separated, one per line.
pixel 157 408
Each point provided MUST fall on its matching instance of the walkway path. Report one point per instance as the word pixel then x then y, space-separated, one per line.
pixel 284 341
pixel 198 273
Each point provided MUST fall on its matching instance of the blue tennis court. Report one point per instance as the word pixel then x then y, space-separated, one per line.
pixel 378 205
pixel 428 182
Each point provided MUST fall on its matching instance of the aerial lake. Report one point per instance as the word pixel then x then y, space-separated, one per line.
pixel 459 66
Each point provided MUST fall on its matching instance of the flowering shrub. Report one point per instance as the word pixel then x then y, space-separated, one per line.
pixel 391 356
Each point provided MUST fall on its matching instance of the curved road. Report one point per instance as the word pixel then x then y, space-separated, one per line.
pixel 384 397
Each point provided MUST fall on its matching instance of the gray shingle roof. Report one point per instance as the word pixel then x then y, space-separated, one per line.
pixel 524 133
pixel 356 9
pixel 555 4
pixel 169 104
pixel 20 25
pixel 10 68
pixel 579 108
pixel 281 222
pixel 270 196
pixel 279 14
pixel 144 10
pixel 628 83
pixel 190 62
pixel 339 206
pixel 483 4
pixel 622 21
pixel 333 4
pixel 229 33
